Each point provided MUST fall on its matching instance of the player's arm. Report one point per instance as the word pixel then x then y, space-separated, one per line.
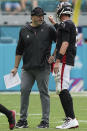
pixel 51 19
pixel 64 47
pixel 60 55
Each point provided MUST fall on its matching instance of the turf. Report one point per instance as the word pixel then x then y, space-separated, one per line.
pixel 12 102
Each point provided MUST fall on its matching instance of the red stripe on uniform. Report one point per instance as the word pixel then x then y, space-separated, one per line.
pixel 64 59
pixel 62 72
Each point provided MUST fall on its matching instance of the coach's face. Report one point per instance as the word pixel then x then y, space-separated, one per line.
pixel 37 20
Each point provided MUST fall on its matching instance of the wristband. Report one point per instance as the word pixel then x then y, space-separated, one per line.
pixel 60 56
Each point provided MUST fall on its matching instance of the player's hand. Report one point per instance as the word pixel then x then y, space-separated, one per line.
pixel 51 59
pixel 56 67
pixel 51 19
pixel 14 71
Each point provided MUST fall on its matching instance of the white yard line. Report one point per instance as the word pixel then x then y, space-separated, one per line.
pixel 18 114
pixel 84 93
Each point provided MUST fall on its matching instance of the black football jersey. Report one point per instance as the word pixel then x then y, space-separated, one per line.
pixel 66 31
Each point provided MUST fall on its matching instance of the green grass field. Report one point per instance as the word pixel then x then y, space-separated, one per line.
pixel 12 101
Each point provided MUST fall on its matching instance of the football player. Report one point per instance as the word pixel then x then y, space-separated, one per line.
pixel 65 55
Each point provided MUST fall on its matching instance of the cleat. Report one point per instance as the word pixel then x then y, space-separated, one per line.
pixel 22 124
pixel 12 120
pixel 43 124
pixel 68 124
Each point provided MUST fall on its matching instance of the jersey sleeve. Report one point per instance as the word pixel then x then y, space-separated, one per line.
pixel 65 31
pixel 56 26
pixel 53 33
pixel 20 45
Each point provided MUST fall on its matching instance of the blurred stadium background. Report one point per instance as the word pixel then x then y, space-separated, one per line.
pixel 9 30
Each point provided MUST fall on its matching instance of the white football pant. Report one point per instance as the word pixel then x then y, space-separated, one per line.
pixel 62 78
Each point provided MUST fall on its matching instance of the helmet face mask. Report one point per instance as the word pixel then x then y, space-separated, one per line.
pixel 64 8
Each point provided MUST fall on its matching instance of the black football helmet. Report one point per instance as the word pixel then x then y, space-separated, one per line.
pixel 64 8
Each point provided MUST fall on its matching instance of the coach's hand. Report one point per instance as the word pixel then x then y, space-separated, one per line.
pixel 14 71
pixel 56 66
pixel 51 59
